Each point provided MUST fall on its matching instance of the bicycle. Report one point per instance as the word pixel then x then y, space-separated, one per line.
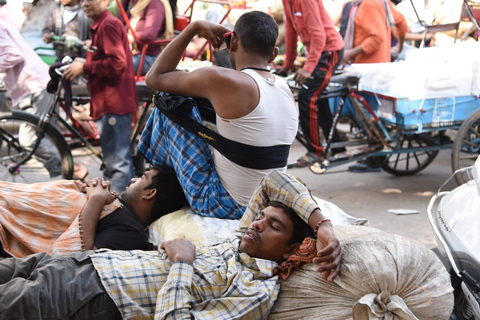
pixel 21 161
pixel 395 148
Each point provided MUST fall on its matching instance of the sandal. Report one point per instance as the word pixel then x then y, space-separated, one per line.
pixel 307 160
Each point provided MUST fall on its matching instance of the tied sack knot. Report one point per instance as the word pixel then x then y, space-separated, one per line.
pixel 382 306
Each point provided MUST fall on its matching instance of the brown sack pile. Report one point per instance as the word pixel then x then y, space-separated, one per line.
pixel 383 276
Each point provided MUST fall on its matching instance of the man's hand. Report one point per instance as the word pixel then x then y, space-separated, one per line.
pixel 282 71
pixel 179 250
pixel 100 189
pixel 348 56
pixel 301 76
pixel 329 254
pixel 211 32
pixel 48 37
pixel 74 70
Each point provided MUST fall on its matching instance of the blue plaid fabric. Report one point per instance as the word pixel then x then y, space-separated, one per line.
pixel 165 142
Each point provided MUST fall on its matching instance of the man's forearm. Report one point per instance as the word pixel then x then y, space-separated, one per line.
pixel 89 217
pixel 172 54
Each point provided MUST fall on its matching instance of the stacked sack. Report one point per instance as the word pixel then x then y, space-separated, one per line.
pixel 383 276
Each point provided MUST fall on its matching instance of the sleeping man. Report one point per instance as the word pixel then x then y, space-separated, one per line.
pixel 65 216
pixel 231 280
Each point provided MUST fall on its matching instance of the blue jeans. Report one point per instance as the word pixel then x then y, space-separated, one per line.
pixel 115 131
pixel 147 63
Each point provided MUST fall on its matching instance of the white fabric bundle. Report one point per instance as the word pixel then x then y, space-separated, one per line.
pixel 383 276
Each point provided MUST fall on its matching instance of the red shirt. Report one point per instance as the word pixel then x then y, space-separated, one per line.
pixel 309 20
pixel 109 69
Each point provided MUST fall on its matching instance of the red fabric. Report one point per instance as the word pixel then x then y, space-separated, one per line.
pixel 109 69
pixel 305 254
pixel 151 26
pixel 309 20
pixel 372 33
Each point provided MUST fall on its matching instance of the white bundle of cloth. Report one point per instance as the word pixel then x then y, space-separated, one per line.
pixel 427 73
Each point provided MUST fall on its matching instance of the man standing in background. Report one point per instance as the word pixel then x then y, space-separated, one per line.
pixel 309 20
pixel 109 71
pixel 68 21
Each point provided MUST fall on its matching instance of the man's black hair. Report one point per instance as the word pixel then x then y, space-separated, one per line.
pixel 301 229
pixel 3 2
pixel 170 196
pixel 257 32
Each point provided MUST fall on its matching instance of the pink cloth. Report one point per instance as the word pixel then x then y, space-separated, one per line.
pixel 25 72
pixel 12 15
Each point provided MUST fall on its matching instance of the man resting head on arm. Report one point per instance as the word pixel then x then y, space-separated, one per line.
pixel 231 280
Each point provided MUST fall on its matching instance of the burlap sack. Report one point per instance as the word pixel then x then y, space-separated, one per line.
pixel 383 276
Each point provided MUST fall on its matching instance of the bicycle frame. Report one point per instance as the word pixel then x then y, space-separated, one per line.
pixel 70 131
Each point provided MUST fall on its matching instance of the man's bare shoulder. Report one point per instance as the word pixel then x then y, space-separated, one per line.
pixel 232 93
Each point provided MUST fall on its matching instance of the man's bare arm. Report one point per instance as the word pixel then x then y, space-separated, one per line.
pixel 98 195
pixel 232 94
pixel 329 254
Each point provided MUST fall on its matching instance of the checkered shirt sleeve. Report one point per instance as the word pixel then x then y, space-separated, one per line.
pixel 282 187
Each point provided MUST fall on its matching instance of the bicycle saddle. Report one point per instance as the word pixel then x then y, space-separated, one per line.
pixel 144 92
pixel 345 78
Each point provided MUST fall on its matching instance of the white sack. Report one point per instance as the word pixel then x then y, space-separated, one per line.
pixel 383 276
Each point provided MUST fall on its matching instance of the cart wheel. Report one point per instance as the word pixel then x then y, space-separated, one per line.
pixel 466 146
pixel 408 163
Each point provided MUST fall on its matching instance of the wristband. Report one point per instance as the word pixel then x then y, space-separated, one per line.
pixel 319 223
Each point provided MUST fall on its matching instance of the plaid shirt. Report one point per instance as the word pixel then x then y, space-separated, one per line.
pixel 223 283
pixel 165 142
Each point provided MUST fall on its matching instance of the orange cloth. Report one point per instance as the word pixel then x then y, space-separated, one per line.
pixel 41 217
pixel 372 33
pixel 306 253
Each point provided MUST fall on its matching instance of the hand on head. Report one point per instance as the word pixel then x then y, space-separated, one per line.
pixel 329 252
pixel 212 32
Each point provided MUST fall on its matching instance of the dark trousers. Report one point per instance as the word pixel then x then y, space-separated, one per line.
pixel 315 112
pixel 40 286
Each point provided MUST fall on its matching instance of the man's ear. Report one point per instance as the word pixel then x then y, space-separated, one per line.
pixel 273 55
pixel 150 194
pixel 294 247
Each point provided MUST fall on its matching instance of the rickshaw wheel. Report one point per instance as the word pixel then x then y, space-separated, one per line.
pixel 466 146
pixel 408 163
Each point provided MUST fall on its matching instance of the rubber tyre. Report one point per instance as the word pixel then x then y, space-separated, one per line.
pixel 33 170
pixel 466 147
pixel 400 164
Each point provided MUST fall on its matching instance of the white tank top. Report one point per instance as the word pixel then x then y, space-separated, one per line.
pixel 273 122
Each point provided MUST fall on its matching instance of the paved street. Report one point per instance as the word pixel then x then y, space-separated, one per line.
pixel 370 195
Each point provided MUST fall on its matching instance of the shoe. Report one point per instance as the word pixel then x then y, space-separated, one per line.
pixel 364 166
pixel 80 172
pixel 307 160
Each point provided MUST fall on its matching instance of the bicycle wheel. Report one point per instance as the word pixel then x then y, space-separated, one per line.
pixel 52 160
pixel 466 146
pixel 408 163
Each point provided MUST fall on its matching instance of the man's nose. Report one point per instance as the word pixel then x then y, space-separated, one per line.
pixel 258 225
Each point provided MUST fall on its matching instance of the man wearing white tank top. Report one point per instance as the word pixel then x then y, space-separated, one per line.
pixel 253 107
